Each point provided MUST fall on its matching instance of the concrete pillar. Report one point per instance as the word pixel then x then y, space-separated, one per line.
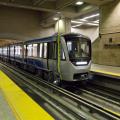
pixel 63 25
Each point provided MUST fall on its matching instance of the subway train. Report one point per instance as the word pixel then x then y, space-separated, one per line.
pixel 64 57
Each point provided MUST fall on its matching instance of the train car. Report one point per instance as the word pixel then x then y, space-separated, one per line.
pixel 75 55
pixel 67 56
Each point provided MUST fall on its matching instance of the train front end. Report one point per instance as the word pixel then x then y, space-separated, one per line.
pixel 79 57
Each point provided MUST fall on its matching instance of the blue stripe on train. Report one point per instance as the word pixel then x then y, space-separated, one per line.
pixel 36 63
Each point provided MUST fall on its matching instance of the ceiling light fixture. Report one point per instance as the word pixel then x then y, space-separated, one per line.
pixel 76 21
pixel 55 18
pixel 93 24
pixel 91 16
pixel 97 21
pixel 83 20
pixel 79 3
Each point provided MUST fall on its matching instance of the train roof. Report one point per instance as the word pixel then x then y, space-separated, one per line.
pixel 75 35
pixel 52 38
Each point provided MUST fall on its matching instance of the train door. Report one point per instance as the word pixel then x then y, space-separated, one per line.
pixel 44 55
pixel 52 56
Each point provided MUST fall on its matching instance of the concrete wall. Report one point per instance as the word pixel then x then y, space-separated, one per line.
pixel 18 23
pixel 47 32
pixel 109 35
pixel 107 53
pixel 91 32
pixel 110 18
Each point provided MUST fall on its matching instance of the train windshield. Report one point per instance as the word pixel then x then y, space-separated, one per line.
pixel 78 48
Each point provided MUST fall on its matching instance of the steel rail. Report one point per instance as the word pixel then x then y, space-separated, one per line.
pixel 105 102
pixel 114 98
pixel 95 94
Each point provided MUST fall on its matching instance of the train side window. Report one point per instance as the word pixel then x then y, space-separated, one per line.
pixel 12 51
pixel 30 50
pixel 41 49
pixel 35 50
pixel 45 50
pixel 18 50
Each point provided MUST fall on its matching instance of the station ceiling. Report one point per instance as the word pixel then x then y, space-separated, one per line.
pixel 67 7
pixel 49 9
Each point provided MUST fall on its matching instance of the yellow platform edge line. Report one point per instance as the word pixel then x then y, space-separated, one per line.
pixel 105 72
pixel 115 113
pixel 23 107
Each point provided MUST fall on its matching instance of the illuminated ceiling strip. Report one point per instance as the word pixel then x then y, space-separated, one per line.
pixel 79 3
pixel 97 21
pixel 92 24
pixel 91 16
pixel 76 21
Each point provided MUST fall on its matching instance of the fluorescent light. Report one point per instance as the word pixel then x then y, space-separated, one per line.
pixel 76 25
pixel 81 63
pixel 79 3
pixel 58 12
pixel 76 21
pixel 55 18
pixel 91 16
pixel 92 24
pixel 82 20
pixel 97 21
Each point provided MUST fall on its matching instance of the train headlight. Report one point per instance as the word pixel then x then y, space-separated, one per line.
pixel 81 63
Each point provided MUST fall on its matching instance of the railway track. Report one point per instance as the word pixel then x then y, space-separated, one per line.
pixel 107 103
pixel 106 82
pixel 105 92
pixel 65 104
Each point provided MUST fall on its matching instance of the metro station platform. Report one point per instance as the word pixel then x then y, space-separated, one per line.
pixel 15 104
pixel 105 70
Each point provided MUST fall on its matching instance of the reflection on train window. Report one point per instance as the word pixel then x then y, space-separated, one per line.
pixel 45 50
pixel 29 50
pixel 69 45
pixel 12 51
pixel 5 51
pixel 62 54
pixel 0 51
pixel 25 51
pixel 35 50
pixel 18 51
pixel 41 45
